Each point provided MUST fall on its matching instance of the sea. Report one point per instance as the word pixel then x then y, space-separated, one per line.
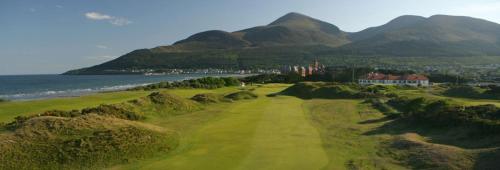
pixel 32 87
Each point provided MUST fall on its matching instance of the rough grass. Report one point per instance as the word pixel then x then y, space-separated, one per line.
pixel 419 154
pixel 93 137
pixel 161 104
pixel 88 142
pixel 342 125
pixel 12 109
pixel 207 98
pixel 241 95
pixel 310 90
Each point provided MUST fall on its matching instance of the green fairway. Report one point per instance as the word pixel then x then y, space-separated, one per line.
pixel 266 133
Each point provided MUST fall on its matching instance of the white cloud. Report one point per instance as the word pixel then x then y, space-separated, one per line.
pixel 102 46
pixel 59 6
pixel 118 21
pixel 97 16
pixel 32 10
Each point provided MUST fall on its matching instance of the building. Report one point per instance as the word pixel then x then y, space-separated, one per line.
pixel 379 78
pixel 312 69
pixel 302 71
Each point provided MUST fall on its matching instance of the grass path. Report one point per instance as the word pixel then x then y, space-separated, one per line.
pixel 285 139
pixel 266 133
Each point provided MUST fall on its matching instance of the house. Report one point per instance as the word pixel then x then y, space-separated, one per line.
pixel 388 79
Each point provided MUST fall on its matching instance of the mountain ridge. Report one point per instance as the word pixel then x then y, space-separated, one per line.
pixel 296 37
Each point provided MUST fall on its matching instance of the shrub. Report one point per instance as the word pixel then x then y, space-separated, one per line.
pixel 205 82
pixel 463 91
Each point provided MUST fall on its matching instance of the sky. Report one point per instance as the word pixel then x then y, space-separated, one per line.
pixel 53 36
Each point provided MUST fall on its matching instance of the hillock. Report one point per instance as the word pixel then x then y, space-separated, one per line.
pixel 87 141
pixel 93 137
pixel 310 90
pixel 419 154
pixel 207 98
pixel 241 95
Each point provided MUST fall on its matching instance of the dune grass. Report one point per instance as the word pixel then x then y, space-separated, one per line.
pixel 9 110
pixel 342 125
pixel 12 109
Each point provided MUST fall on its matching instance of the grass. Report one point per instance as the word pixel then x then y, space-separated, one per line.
pixel 431 94
pixel 10 110
pixel 342 125
pixel 249 134
pixel 241 95
pixel 88 141
pixel 278 132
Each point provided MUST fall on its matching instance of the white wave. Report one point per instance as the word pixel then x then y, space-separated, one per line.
pixel 67 93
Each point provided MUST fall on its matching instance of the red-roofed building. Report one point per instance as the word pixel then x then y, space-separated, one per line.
pixel 388 79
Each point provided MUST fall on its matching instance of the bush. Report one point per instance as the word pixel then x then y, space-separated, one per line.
pixel 273 78
pixel 463 91
pixel 205 82
pixel 3 100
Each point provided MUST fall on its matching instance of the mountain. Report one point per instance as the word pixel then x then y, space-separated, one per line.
pixel 438 35
pixel 291 29
pixel 297 39
pixel 295 29
pixel 395 24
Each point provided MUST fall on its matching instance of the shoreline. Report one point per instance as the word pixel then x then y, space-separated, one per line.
pixel 77 92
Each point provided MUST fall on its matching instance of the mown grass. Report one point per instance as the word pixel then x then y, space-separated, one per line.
pixel 263 133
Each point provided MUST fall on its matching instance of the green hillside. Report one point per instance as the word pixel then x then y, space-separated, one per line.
pixel 298 39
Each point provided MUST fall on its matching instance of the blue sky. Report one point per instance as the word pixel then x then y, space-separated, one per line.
pixel 52 36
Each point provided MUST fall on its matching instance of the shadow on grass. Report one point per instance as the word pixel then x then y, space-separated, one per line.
pixel 371 121
pixel 461 136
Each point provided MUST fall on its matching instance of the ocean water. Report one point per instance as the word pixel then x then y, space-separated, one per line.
pixel 29 87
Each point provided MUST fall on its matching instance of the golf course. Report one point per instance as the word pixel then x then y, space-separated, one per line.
pixel 266 131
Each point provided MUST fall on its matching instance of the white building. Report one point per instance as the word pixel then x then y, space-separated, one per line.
pixel 383 79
